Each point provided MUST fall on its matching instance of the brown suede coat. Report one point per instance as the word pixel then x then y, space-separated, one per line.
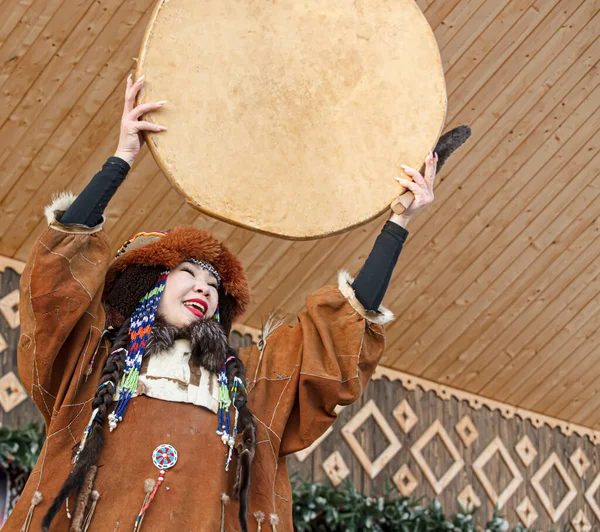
pixel 294 383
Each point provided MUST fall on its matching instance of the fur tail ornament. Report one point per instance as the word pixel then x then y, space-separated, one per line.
pixel 449 142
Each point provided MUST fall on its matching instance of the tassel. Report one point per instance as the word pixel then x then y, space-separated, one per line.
pixel 94 496
pixel 260 518
pixel 35 500
pixel 82 499
pixel 274 520
pixel 149 485
pixel 224 502
pixel 148 500
pixel 90 368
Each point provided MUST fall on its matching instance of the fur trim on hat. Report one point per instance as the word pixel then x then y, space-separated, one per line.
pixel 134 272
pixel 53 212
pixel 380 316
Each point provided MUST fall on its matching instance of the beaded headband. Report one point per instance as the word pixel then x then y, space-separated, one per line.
pixel 208 267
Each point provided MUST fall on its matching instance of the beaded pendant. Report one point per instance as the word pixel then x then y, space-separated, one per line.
pixel 164 457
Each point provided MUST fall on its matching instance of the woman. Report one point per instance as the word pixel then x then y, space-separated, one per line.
pixel 128 361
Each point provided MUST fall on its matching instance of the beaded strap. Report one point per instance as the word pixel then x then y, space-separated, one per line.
pixel 142 320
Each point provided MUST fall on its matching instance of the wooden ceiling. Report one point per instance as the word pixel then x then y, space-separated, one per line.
pixel 496 291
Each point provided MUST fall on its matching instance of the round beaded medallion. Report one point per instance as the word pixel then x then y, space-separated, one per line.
pixel 164 456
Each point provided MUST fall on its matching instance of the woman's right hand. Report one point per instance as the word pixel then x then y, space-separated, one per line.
pixel 131 139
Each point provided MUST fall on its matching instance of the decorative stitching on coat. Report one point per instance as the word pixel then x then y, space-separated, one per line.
pixel 70 268
pixel 281 395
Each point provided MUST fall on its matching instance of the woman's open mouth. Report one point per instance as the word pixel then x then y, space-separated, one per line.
pixel 197 307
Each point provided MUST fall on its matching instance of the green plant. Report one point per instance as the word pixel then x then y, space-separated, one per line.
pixel 323 508
pixel 21 447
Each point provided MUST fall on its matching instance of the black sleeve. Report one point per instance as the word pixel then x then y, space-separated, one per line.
pixel 372 281
pixel 89 206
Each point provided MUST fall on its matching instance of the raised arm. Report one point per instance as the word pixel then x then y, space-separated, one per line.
pixel 61 311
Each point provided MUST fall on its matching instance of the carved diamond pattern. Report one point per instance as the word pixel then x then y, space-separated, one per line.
pixel 590 496
pixel 581 523
pixel 496 446
pixel 3 344
pixel 440 484
pixel 526 450
pixel 580 462
pixel 526 512
pixel 11 392
pixel 468 499
pixel 372 468
pixel 405 481
pixel 335 468
pixel 536 482
pixel 405 416
pixel 7 307
pixel 466 431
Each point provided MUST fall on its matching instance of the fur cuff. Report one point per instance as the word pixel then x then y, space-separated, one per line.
pixel 380 316
pixel 60 203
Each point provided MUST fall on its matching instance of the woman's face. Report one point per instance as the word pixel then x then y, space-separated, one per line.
pixel 191 293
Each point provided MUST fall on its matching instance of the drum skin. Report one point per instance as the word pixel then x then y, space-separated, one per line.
pixel 291 117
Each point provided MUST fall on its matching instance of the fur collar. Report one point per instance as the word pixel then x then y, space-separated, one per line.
pixel 207 338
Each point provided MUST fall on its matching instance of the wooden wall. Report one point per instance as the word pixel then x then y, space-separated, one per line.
pixel 544 488
pixel 17 407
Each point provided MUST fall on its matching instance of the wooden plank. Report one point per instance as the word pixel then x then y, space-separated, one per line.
pixel 11 14
pixel 562 361
pixel 272 277
pixel 532 165
pixel 546 130
pixel 571 385
pixel 511 314
pixel 542 41
pixel 537 358
pixel 24 34
pixel 484 273
pixel 507 192
pixel 462 12
pixel 470 30
pixel 495 34
pixel 314 256
pixel 55 117
pixel 485 377
pixel 37 57
pixel 78 136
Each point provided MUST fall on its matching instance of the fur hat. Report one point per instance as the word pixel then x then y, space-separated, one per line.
pixel 144 257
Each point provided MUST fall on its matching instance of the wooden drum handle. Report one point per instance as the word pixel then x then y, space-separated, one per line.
pixel 401 203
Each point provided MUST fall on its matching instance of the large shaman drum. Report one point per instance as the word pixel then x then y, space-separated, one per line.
pixel 291 117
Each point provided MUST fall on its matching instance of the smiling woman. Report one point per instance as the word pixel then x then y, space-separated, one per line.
pixel 154 322
pixel 191 293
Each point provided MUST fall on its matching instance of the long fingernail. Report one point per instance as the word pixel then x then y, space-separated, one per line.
pixel 141 78
pixel 162 128
pixel 162 102
pixel 403 166
pixel 129 77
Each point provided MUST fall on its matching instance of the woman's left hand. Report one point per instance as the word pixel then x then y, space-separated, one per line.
pixel 420 186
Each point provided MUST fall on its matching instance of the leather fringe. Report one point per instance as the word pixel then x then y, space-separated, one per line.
pixel 35 500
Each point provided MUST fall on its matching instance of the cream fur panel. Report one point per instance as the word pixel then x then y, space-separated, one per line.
pixel 171 376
